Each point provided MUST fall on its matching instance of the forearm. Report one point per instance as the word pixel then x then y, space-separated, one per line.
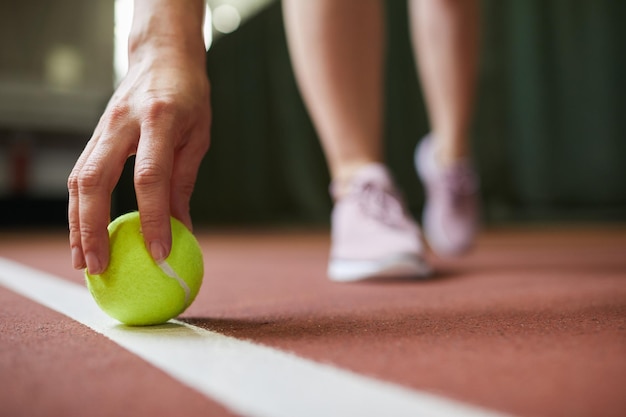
pixel 172 27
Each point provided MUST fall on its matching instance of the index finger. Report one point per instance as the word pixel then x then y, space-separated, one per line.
pixel 96 174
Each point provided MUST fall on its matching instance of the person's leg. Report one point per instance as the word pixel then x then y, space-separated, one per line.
pixel 445 39
pixel 336 48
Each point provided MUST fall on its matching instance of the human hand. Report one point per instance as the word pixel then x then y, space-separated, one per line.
pixel 160 112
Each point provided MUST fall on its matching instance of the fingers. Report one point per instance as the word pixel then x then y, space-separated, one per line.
pixel 167 129
pixel 98 170
pixel 78 258
pixel 185 171
pixel 153 172
pixel 90 185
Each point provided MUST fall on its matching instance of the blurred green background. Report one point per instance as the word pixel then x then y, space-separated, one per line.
pixel 549 133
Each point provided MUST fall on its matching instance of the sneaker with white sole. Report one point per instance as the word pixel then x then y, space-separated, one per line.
pixel 451 212
pixel 373 235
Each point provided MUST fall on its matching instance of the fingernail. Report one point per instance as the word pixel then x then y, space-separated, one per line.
pixel 77 258
pixel 94 267
pixel 157 250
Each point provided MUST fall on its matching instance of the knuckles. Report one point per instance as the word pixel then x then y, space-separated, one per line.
pixel 148 173
pixel 117 114
pixel 185 188
pixel 157 109
pixel 72 182
pixel 89 232
pixel 74 227
pixel 88 178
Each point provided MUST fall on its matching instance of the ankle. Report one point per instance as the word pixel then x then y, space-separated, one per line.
pixel 342 177
pixel 447 155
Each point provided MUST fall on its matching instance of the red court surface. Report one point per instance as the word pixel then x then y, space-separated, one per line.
pixel 531 323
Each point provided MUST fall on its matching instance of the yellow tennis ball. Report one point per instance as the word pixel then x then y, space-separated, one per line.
pixel 135 289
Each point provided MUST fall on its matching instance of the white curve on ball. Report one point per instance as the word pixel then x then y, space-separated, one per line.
pixel 169 271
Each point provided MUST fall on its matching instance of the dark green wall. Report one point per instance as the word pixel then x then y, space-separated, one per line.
pixel 549 133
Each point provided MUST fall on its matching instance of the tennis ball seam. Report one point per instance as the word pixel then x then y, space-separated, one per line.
pixel 169 271
pixel 135 289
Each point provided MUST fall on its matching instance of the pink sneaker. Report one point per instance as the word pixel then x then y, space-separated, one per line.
pixel 450 219
pixel 373 236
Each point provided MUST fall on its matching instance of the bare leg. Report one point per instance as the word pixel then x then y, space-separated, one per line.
pixel 336 47
pixel 445 38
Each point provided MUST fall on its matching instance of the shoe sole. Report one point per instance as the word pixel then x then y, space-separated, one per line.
pixel 343 270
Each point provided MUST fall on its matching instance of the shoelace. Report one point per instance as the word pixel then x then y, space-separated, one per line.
pixel 381 204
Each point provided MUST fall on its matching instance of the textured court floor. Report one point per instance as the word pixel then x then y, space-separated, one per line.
pixel 532 323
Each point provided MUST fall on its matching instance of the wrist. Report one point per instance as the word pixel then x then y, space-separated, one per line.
pixel 171 28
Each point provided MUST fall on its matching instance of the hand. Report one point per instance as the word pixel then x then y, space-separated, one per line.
pixel 160 113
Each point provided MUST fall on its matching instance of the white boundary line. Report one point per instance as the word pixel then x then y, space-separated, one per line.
pixel 250 379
